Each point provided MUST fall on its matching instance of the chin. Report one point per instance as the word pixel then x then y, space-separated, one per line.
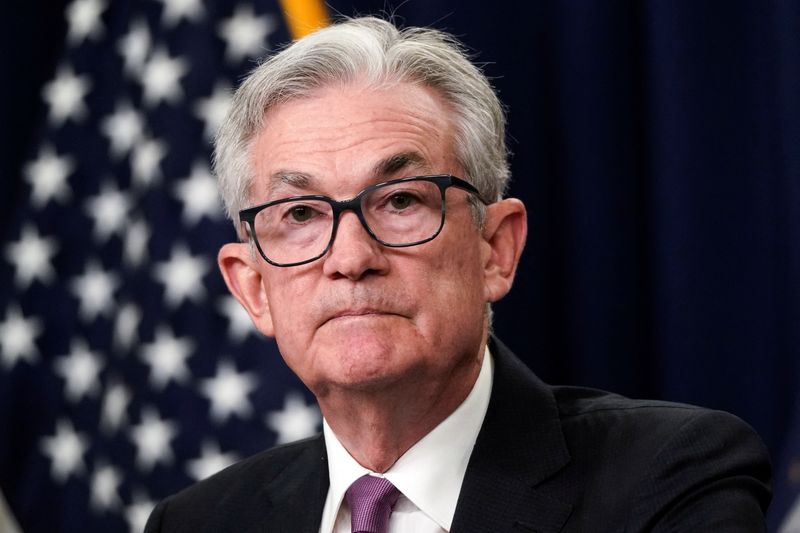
pixel 363 363
pixel 366 382
pixel 365 338
pixel 350 379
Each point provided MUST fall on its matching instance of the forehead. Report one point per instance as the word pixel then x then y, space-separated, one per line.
pixel 341 138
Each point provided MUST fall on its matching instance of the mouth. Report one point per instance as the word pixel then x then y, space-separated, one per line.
pixel 345 314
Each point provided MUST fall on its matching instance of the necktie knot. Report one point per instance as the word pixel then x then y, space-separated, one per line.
pixel 371 500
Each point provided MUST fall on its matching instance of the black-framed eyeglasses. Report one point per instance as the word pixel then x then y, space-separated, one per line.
pixel 396 213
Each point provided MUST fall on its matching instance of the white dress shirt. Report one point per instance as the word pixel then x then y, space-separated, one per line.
pixel 429 474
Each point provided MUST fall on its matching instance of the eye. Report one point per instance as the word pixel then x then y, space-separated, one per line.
pixel 301 213
pixel 401 200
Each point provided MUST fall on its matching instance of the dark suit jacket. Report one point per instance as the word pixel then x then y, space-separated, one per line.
pixel 547 459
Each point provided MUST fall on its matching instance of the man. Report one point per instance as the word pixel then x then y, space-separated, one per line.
pixel 367 168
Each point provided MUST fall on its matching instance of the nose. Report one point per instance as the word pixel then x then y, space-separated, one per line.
pixel 354 254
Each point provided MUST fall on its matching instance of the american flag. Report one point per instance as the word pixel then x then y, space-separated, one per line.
pixel 126 370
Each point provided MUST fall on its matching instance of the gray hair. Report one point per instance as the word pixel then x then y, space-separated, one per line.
pixel 374 51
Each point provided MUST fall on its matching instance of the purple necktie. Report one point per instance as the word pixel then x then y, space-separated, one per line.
pixel 371 500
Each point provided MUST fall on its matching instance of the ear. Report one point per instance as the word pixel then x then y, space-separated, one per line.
pixel 504 231
pixel 240 269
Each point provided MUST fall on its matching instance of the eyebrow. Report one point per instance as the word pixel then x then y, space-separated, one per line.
pixel 397 162
pixel 300 180
pixel 385 167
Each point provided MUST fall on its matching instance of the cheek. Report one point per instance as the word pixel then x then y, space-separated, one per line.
pixel 289 298
pixel 454 288
pixel 292 329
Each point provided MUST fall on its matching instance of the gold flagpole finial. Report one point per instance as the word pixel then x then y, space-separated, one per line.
pixel 304 16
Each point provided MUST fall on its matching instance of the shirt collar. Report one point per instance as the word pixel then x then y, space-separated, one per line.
pixel 430 473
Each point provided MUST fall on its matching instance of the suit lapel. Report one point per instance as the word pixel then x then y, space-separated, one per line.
pixel 520 445
pixel 294 498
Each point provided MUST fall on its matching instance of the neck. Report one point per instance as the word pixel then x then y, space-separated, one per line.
pixel 377 427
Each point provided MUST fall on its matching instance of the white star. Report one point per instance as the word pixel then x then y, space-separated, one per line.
pixel 138 512
pixel 105 483
pixel 124 128
pixel 64 94
pixel 211 461
pixel 147 156
pixel 109 209
pixel 126 326
pixel 175 10
pixel 152 439
pixel 161 78
pixel 94 290
pixel 17 338
pixel 245 34
pixel 114 410
pixel 134 48
pixel 182 277
pixel 198 194
pixel 47 176
pixel 32 257
pixel 296 421
pixel 83 17
pixel 80 370
pixel 239 323
pixel 166 356
pixel 212 110
pixel 134 246
pixel 65 449
pixel 227 392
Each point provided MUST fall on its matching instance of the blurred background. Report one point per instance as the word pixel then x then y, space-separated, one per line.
pixel 656 145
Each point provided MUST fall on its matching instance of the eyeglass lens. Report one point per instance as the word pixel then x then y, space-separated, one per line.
pixel 397 214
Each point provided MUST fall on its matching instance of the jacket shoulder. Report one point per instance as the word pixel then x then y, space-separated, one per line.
pixel 260 468
pixel 583 401
pixel 611 415
pixel 232 495
pixel 677 466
